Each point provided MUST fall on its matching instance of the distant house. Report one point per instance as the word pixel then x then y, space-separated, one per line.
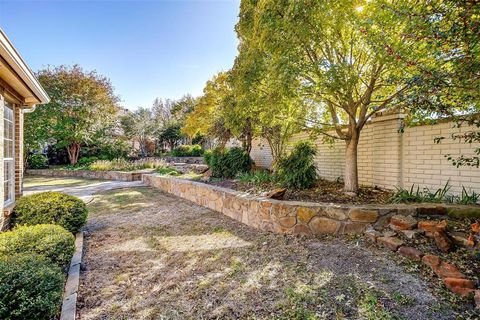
pixel 20 92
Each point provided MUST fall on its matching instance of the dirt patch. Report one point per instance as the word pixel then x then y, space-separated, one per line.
pixel 322 191
pixel 157 256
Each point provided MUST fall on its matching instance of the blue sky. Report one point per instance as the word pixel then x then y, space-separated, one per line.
pixel 148 49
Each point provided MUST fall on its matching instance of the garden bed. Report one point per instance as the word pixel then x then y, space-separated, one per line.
pixel 295 217
pixel 322 191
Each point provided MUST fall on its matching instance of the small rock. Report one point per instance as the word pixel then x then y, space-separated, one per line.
pixel 277 194
pixel 432 225
pixel 443 242
pixel 389 233
pixel 411 253
pixel 462 287
pixel 372 234
pixel 441 268
pixel 401 222
pixel 390 242
pixel 412 234
pixel 459 238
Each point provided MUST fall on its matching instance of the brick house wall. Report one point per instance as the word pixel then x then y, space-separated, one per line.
pixel 389 158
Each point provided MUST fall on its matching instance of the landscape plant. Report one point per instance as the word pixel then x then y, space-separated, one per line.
pixel 31 287
pixel 50 207
pixel 416 194
pixel 47 240
pixel 37 161
pixel 187 151
pixel 228 163
pixel 82 107
pixel 297 169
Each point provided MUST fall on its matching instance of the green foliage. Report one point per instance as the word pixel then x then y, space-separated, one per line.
pixel 50 241
pixel 438 196
pixel 170 135
pixel 82 108
pixel 51 208
pixel 30 287
pixel 37 161
pixel 467 198
pixel 142 125
pixel 257 177
pixel 125 165
pixel 167 171
pixel 187 151
pixel 85 161
pixel 297 170
pixel 228 163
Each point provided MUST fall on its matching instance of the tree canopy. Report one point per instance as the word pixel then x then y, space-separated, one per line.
pixel 82 107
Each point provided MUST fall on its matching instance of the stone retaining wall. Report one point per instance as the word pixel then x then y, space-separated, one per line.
pixel 89 174
pixel 291 217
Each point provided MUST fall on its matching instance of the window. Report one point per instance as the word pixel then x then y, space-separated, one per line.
pixel 8 154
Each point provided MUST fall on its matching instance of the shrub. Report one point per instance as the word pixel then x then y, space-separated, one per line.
pixel 30 287
pixel 85 161
pixel 48 240
pixel 187 151
pixel 51 208
pixel 297 170
pixel 37 161
pixel 228 163
pixel 168 171
pixel 124 165
pixel 257 177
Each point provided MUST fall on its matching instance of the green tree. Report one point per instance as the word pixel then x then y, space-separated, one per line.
pixel 170 135
pixel 83 106
pixel 351 59
pixel 449 85
pixel 208 116
pixel 141 125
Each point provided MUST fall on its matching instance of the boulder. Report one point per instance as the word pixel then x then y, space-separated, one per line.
pixel 390 242
pixel 401 222
pixel 277 194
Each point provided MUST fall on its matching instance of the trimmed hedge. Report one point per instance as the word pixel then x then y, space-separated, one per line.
pixel 228 163
pixel 50 241
pixel 51 208
pixel 30 287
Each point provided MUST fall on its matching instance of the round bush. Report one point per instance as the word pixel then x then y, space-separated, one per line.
pixel 37 161
pixel 30 287
pixel 48 240
pixel 51 208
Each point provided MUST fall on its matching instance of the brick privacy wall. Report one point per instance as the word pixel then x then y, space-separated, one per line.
pixel 389 158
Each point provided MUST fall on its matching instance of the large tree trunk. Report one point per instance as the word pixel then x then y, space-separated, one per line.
pixel 351 168
pixel 73 151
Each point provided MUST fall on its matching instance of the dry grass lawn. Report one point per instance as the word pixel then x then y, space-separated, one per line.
pixel 150 255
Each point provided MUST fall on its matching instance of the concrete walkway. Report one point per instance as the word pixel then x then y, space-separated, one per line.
pixel 86 191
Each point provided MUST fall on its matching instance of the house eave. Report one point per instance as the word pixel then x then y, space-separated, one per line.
pixel 22 71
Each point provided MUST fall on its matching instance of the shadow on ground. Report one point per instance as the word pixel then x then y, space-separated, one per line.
pixel 150 255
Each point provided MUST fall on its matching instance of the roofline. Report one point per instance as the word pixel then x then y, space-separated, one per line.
pixel 21 68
